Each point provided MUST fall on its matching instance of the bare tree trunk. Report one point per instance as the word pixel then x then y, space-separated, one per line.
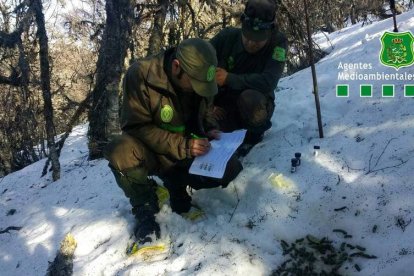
pixel 353 14
pixel 28 119
pixel 103 114
pixel 45 81
pixel 156 38
pixel 327 16
pixel 314 78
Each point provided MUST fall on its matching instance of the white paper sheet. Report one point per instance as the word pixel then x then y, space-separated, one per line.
pixel 213 164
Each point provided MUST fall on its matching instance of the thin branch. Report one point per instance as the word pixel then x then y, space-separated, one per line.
pixel 82 107
pixel 195 25
pixel 237 204
pixel 16 228
pixel 349 168
pixel 9 40
pixel 12 80
pixel 379 158
pixel 287 140
pixel 386 146
pixel 402 162
pixel 369 162
pixel 20 6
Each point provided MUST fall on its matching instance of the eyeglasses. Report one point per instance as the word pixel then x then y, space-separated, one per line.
pixel 256 23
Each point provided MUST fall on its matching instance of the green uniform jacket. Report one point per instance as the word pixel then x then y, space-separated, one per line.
pixel 260 71
pixel 148 99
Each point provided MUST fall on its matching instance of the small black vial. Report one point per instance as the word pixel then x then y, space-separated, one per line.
pixel 294 162
pixel 297 156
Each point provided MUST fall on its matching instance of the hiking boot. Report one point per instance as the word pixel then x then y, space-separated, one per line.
pixel 180 200
pixel 161 192
pixel 180 205
pixel 146 226
pixel 251 139
pixel 194 214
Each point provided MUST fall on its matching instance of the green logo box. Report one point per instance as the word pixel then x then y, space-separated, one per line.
pixel 342 90
pixel 365 90
pixel 388 90
pixel 409 90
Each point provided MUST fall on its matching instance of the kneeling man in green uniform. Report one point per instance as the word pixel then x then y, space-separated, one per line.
pixel 250 63
pixel 166 121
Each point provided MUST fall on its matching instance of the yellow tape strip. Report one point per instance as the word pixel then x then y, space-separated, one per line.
pixel 146 249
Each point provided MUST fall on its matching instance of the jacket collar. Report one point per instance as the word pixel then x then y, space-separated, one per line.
pixel 238 46
pixel 157 77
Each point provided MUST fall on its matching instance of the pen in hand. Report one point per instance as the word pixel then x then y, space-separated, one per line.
pixel 198 145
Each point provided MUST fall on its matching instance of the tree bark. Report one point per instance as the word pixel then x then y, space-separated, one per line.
pixel 28 119
pixel 75 118
pixel 9 40
pixel 327 16
pixel 156 38
pixel 45 83
pixel 103 114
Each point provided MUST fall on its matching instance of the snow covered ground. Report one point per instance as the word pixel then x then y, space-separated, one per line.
pixel 365 164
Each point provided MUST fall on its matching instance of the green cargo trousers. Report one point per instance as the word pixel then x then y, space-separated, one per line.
pixel 249 109
pixel 132 162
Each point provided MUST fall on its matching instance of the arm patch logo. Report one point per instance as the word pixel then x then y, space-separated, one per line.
pixel 230 63
pixel 279 54
pixel 167 113
pixel 211 73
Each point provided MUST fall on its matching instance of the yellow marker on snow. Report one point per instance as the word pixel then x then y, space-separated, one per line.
pixel 194 214
pixel 279 181
pixel 146 250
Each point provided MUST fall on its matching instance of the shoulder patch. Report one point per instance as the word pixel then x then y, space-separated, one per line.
pixel 279 54
pixel 230 63
pixel 167 113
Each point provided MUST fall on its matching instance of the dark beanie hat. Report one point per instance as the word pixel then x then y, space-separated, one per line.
pixel 257 19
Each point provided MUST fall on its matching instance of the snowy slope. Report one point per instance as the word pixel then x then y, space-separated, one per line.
pixel 365 164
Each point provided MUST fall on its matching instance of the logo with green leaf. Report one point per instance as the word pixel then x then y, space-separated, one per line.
pixel 211 73
pixel 397 49
pixel 167 113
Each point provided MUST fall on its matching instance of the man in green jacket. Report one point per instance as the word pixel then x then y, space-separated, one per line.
pixel 165 111
pixel 250 63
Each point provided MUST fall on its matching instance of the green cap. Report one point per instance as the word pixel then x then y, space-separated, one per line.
pixel 198 59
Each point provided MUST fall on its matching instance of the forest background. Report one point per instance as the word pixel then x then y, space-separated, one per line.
pixel 62 62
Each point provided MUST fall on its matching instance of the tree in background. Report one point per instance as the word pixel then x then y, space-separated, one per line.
pixel 27 11
pixel 91 45
pixel 103 114
pixel 26 92
pixel 45 83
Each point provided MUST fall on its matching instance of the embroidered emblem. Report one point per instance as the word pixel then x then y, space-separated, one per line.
pixel 230 63
pixel 279 54
pixel 211 73
pixel 167 113
pixel 397 49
